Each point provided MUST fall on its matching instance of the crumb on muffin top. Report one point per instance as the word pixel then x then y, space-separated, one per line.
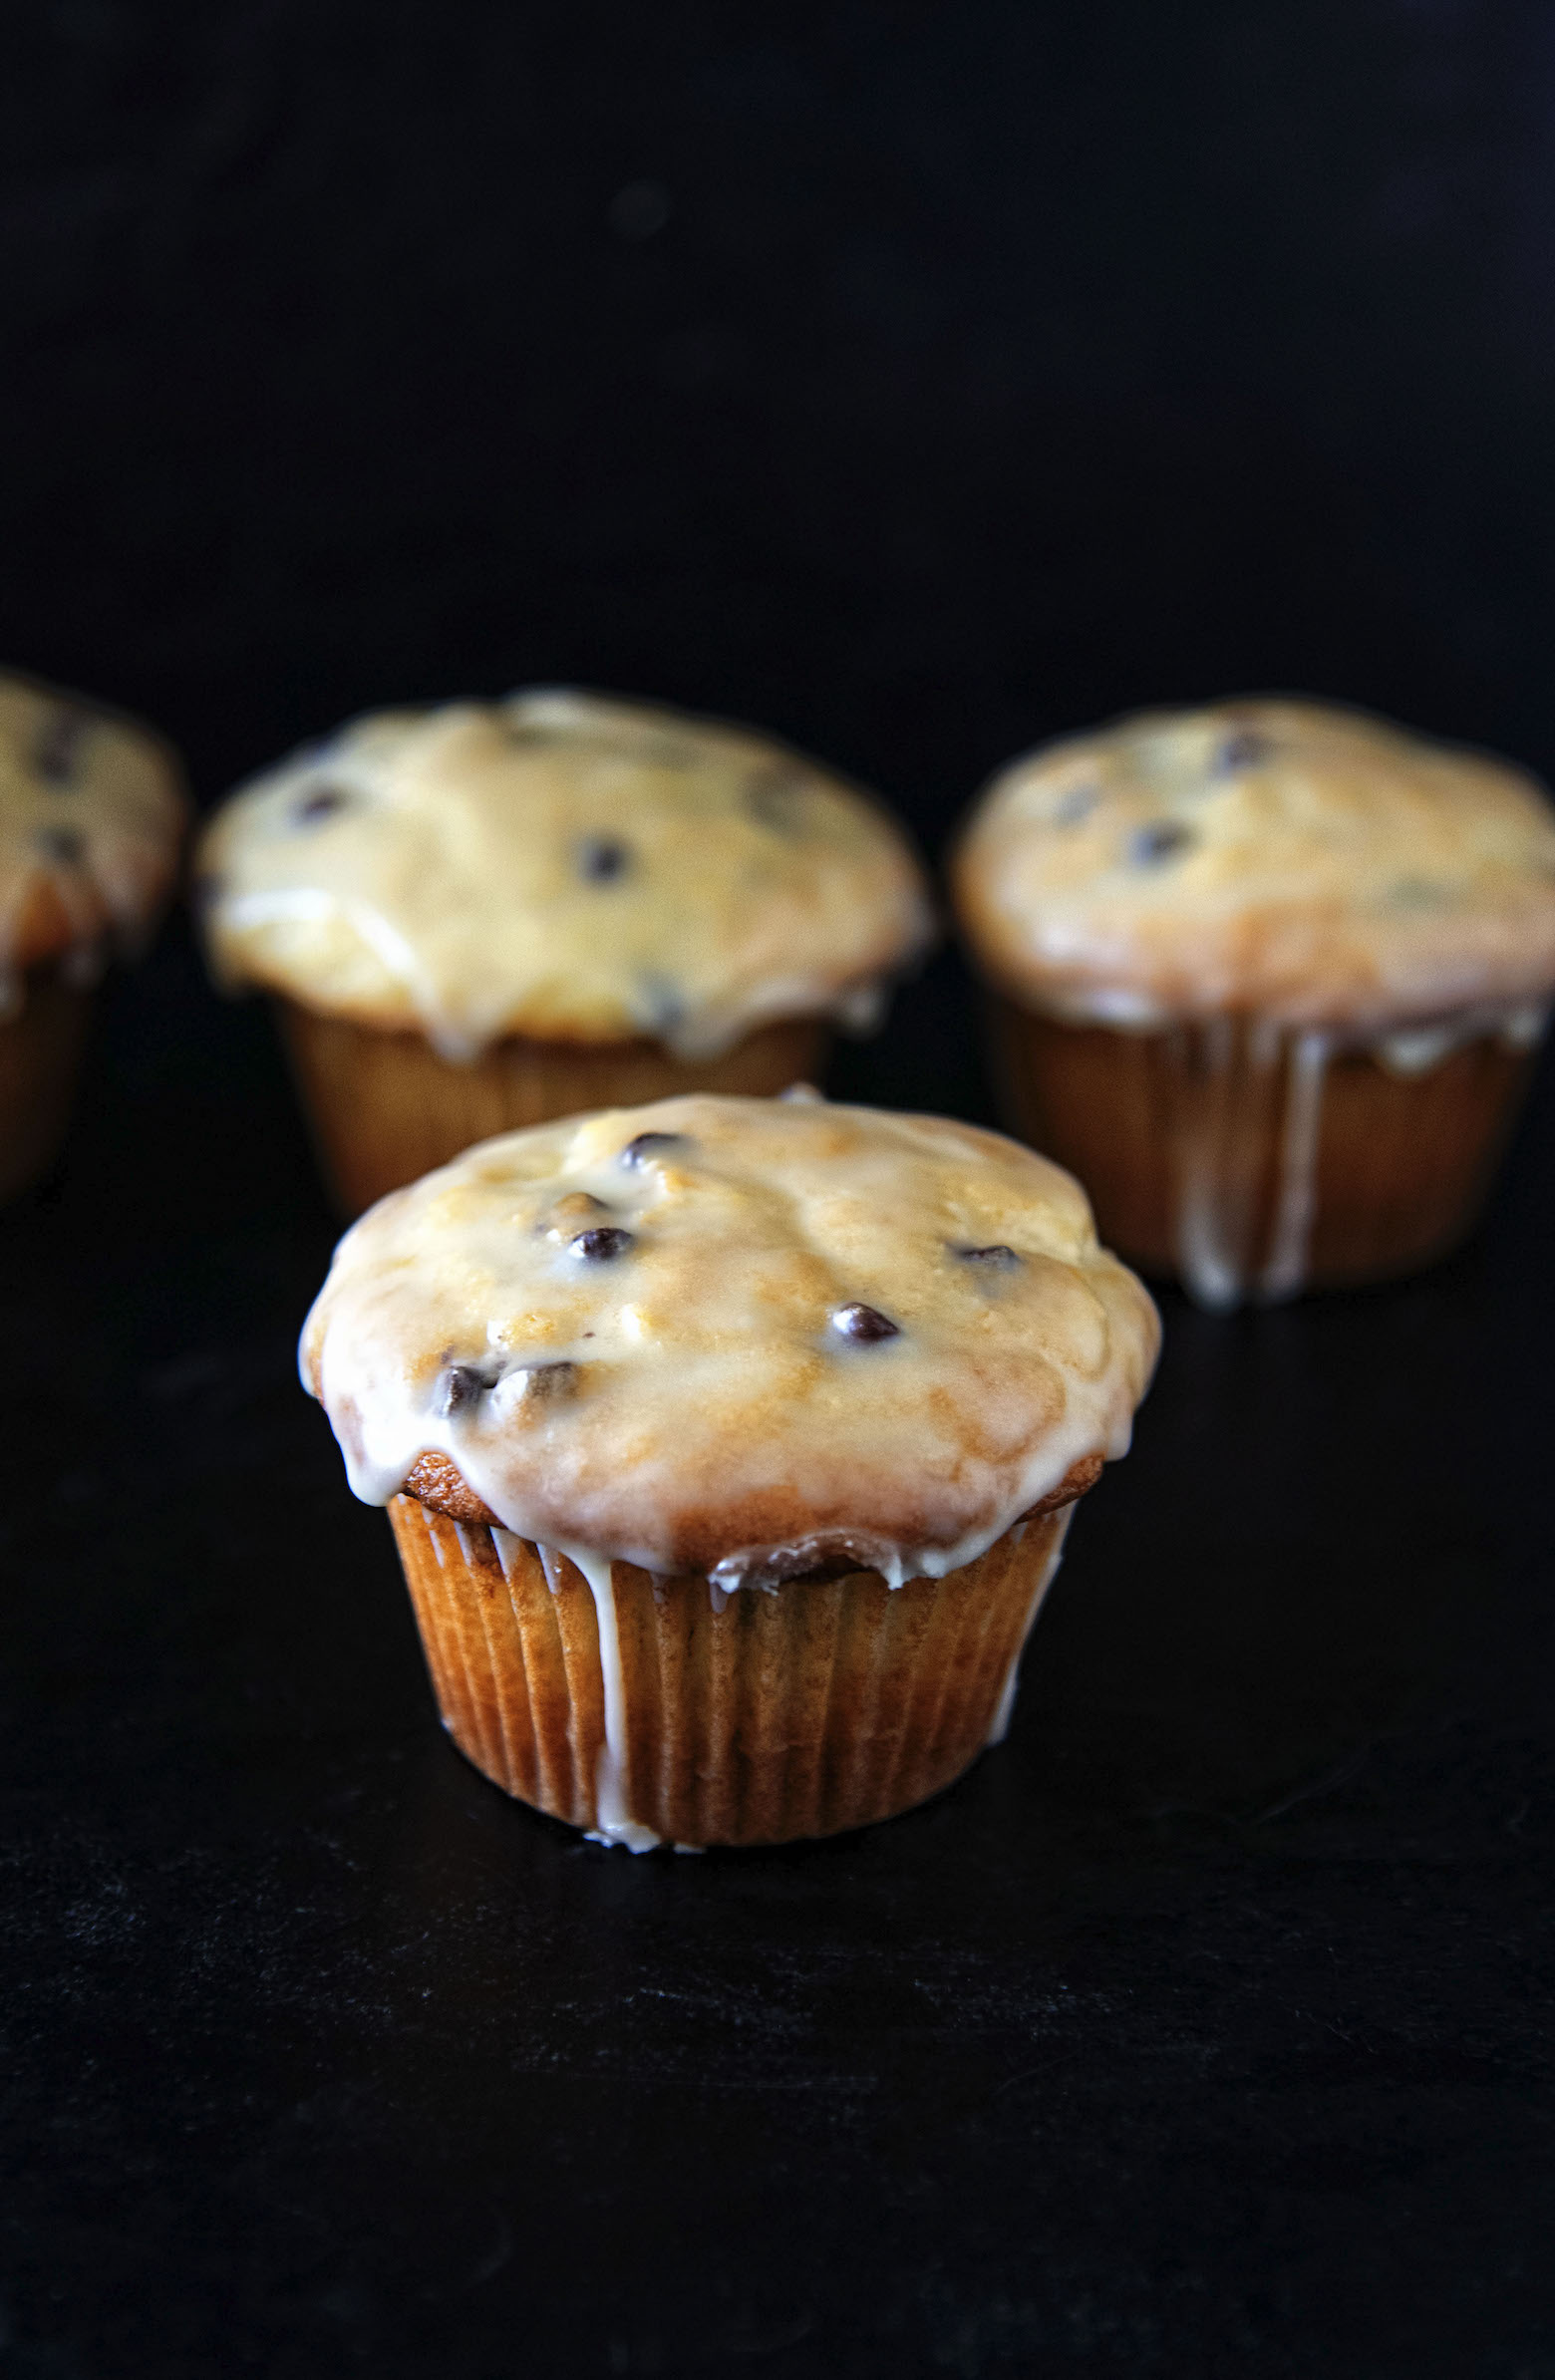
pixel 1287 858
pixel 561 866
pixel 737 1336
pixel 91 813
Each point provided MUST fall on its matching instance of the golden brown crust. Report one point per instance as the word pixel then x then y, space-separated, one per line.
pixel 440 1484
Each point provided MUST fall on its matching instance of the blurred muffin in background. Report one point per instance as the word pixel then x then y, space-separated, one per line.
pixel 91 815
pixel 490 914
pixel 1268 976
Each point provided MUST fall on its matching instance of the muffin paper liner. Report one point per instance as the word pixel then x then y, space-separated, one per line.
pixel 386 1108
pixel 744 1718
pixel 40 1058
pixel 1254 1160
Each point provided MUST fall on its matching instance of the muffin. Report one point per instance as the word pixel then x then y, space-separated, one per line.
pixel 1269 977
pixel 729 1445
pixel 91 812
pixel 490 914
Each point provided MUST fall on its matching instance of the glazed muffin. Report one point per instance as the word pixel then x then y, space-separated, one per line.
pixel 1268 976
pixel 91 812
pixel 490 914
pixel 729 1445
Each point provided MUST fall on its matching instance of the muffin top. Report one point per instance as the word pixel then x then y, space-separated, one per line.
pixel 91 816
pixel 1285 858
pixel 565 866
pixel 740 1336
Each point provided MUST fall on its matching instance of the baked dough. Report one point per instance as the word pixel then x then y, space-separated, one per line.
pixel 562 866
pixel 738 1336
pixel 1287 859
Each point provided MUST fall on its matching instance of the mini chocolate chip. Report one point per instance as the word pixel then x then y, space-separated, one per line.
pixel 998 1259
pixel 660 1003
pixel 549 1380
pixel 62 843
pixel 464 1383
pixel 647 1144
pixel 1162 840
pixel 602 858
pixel 602 1245
pixel 1077 804
pixel 323 803
pixel 773 800
pixel 59 746
pixel 1244 748
pixel 863 1323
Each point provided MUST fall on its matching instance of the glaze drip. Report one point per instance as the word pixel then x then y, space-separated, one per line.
pixel 1229 1074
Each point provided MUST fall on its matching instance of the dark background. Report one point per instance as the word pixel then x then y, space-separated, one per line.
pixel 917 381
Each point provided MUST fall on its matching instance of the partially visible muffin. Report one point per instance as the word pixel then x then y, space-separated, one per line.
pixel 92 814
pixel 488 914
pixel 1269 976
pixel 729 1445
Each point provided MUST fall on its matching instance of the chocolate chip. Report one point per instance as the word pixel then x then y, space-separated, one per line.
pixel 464 1384
pixel 772 798
pixel 602 1245
pixel 1077 804
pixel 998 1259
pixel 58 748
pixel 1244 748
pixel 602 858
pixel 647 1144
pixel 1160 841
pixel 549 1380
pixel 323 803
pixel 62 843
pixel 660 1003
pixel 864 1324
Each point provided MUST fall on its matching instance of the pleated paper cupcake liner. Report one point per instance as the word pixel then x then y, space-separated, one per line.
pixel 1254 1160
pixel 386 1108
pixel 40 1058
pixel 658 1709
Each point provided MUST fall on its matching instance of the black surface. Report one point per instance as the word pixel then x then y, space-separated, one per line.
pixel 1205 2027
pixel 964 374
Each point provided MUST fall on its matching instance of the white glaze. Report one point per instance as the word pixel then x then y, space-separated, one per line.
pixel 1285 1270
pixel 613 1822
pixel 1268 857
pixel 711 1385
pixel 444 884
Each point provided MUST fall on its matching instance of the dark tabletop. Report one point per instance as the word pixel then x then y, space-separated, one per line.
pixel 1206 2026
pixel 917 381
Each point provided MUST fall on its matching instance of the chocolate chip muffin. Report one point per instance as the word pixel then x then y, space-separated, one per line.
pixel 729 1445
pixel 1269 976
pixel 91 813
pixel 494 912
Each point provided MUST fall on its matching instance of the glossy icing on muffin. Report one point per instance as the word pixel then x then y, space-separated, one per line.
pixel 1285 859
pixel 734 1336
pixel 91 815
pixel 565 867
